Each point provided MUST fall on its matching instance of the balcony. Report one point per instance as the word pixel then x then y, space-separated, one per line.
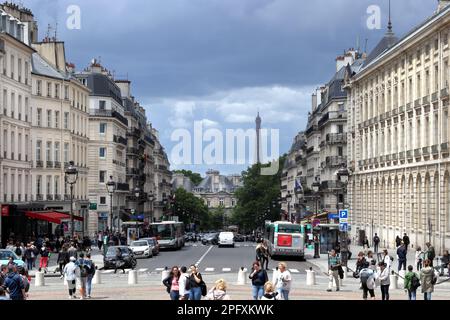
pixel 310 130
pixel 401 155
pixel 388 115
pixel 49 197
pixel 67 197
pixel 388 157
pixel 401 110
pixel 57 165
pixel 417 153
pixel 426 151
pixel 329 185
pixel 409 155
pixel 122 187
pixel 335 161
pixel 382 159
pixel 109 113
pixel 149 140
pixel 134 132
pixel 444 94
pixel 132 151
pixel 375 161
pixel 394 157
pixel 426 100
pixel 417 103
pixel 310 150
pixel 50 164
pixel 120 140
pixel 408 107
pixel 39 197
pixel 435 149
pixel 298 159
pixel 39 164
pixel 435 97
pixel 57 197
pixel 444 147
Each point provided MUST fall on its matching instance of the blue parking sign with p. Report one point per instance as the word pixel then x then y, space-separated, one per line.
pixel 343 214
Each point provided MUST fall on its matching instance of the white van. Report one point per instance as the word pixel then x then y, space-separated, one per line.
pixel 226 239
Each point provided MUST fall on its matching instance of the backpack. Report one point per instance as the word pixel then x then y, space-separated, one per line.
pixel 18 251
pixel 84 269
pixel 204 288
pixel 415 283
pixel 187 286
pixel 364 275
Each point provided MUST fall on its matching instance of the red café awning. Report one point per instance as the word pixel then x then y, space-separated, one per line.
pixel 50 216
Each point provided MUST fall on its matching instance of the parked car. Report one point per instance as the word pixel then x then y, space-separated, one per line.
pixel 212 238
pixel 239 238
pixel 226 239
pixel 141 249
pixel 110 259
pixel 153 244
pixel 5 254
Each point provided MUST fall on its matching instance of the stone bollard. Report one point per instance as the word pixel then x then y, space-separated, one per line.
pixel 394 281
pixel 401 279
pixel 97 278
pixel 310 277
pixel 242 277
pixel 275 275
pixel 165 274
pixel 39 279
pixel 133 277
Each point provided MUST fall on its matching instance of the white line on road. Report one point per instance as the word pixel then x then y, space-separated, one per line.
pixel 209 270
pixel 159 269
pixel 226 270
pixel 108 272
pixel 294 271
pixel 203 257
pixel 143 270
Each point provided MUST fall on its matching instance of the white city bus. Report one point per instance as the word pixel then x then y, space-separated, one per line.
pixel 285 239
pixel 170 234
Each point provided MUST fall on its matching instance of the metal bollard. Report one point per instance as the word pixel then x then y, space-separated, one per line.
pixel 394 281
pixel 165 274
pixel 310 277
pixel 242 277
pixel 97 278
pixel 39 279
pixel 133 277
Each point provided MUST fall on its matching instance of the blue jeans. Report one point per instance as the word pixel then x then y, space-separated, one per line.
pixel 195 294
pixel 29 264
pixel 89 284
pixel 257 292
pixel 412 295
pixel 174 295
pixel 400 264
pixel 284 294
pixel 427 296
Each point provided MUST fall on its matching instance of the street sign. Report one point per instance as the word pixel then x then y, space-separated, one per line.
pixel 343 214
pixel 332 216
pixel 92 206
pixel 343 227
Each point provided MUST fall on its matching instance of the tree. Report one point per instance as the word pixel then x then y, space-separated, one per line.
pixel 258 199
pixel 216 218
pixel 196 178
pixel 190 209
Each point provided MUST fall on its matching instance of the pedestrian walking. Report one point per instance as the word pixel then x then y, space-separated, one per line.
pixel 361 262
pixel 259 252
pixel 219 292
pixel 84 266
pixel 73 251
pixel 269 292
pixel 367 277
pixel 185 285
pixel 196 282
pixel 90 276
pixel 430 254
pixel 265 255
pixel 428 279
pixel 387 259
pixel 420 257
pixel 385 281
pixel 71 273
pixel 412 283
pixel 29 257
pixel 63 259
pixel 100 240
pixel 14 285
pixel 334 263
pixel 119 262
pixel 172 284
pixel 401 254
pixel 445 263
pixel 283 281
pixel 406 241
pixel 43 262
pixel 366 243
pixel 376 243
pixel 259 278
pixel 398 242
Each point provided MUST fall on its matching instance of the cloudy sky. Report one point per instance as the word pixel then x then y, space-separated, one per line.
pixel 220 61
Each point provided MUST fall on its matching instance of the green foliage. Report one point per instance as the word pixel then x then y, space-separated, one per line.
pixel 258 198
pixel 190 209
pixel 196 178
pixel 216 218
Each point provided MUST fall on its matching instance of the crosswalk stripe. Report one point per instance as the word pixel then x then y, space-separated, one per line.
pixel 209 270
pixel 294 271
pixel 226 270
pixel 159 269
pixel 127 270
pixel 108 272
pixel 143 270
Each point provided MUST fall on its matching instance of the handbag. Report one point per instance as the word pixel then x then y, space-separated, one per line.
pixel 341 272
pixel 204 288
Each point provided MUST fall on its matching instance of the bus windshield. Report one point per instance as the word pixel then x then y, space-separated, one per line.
pixel 289 228
pixel 163 231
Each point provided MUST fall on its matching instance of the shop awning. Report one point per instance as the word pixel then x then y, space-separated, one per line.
pixel 51 216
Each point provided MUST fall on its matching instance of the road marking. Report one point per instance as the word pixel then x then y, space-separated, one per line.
pixel 159 269
pixel 294 271
pixel 246 245
pixel 143 270
pixel 238 246
pixel 195 245
pixel 226 270
pixel 127 270
pixel 209 270
pixel 108 272
pixel 203 256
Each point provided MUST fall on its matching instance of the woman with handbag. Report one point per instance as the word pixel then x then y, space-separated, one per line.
pixel 196 280
pixel 172 284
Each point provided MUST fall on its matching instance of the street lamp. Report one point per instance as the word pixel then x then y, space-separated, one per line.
pixel 289 199
pixel 111 187
pixel 151 198
pixel 342 176
pixel 71 177
pixel 316 189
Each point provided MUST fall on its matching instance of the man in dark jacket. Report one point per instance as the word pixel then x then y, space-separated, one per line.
pixel 401 253
pixel 14 285
pixel 376 242
pixel 406 241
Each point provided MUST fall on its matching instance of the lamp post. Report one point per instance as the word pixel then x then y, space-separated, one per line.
pixel 342 176
pixel 151 198
pixel 289 199
pixel 316 189
pixel 71 177
pixel 164 201
pixel 111 187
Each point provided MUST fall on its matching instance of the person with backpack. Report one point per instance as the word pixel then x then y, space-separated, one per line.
pixel 91 273
pixel 196 282
pixel 367 277
pixel 430 254
pixel 428 279
pixel 398 242
pixel 172 284
pixel 84 266
pixel 259 278
pixel 412 283
pixel 376 242
pixel 185 285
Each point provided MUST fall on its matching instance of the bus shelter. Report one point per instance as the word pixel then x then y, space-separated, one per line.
pixel 328 237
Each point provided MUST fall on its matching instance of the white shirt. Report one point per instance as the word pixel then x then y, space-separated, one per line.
pixel 283 280
pixel 183 278
pixel 71 271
